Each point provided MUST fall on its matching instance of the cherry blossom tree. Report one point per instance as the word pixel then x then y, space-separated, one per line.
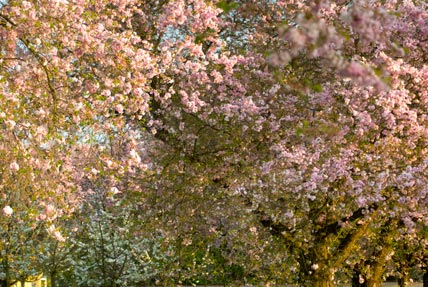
pixel 321 138
pixel 263 126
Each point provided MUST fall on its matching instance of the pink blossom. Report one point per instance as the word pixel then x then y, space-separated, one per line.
pixel 119 108
pixel 10 124
pixel 7 210
pixel 58 236
pixel 355 69
pixel 114 190
pixel 14 166
pixel 296 37
pixel 49 210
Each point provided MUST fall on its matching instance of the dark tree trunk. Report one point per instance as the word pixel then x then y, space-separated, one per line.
pixel 356 278
pixel 52 278
pixel 376 279
pixel 324 282
pixel 425 279
pixel 404 280
pixel 322 274
pixel 7 271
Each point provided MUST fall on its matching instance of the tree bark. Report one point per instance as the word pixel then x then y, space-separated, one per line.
pixel 404 281
pixel 322 274
pixel 323 280
pixel 7 273
pixel 356 277
pixel 425 279
pixel 52 279
pixel 375 279
pixel 324 283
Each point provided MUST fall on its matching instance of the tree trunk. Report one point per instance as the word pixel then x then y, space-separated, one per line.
pixel 356 278
pixel 404 281
pixel 319 276
pixel 323 281
pixel 425 279
pixel 375 282
pixel 375 279
pixel 7 273
pixel 52 279
pixel 322 277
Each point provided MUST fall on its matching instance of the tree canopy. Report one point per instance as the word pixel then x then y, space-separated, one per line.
pixel 255 140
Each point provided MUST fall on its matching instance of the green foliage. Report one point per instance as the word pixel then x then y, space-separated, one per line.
pixel 227 5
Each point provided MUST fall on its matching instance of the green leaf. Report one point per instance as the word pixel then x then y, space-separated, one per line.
pixel 226 6
pixel 317 88
pixel 306 124
pixel 199 38
pixel 378 71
